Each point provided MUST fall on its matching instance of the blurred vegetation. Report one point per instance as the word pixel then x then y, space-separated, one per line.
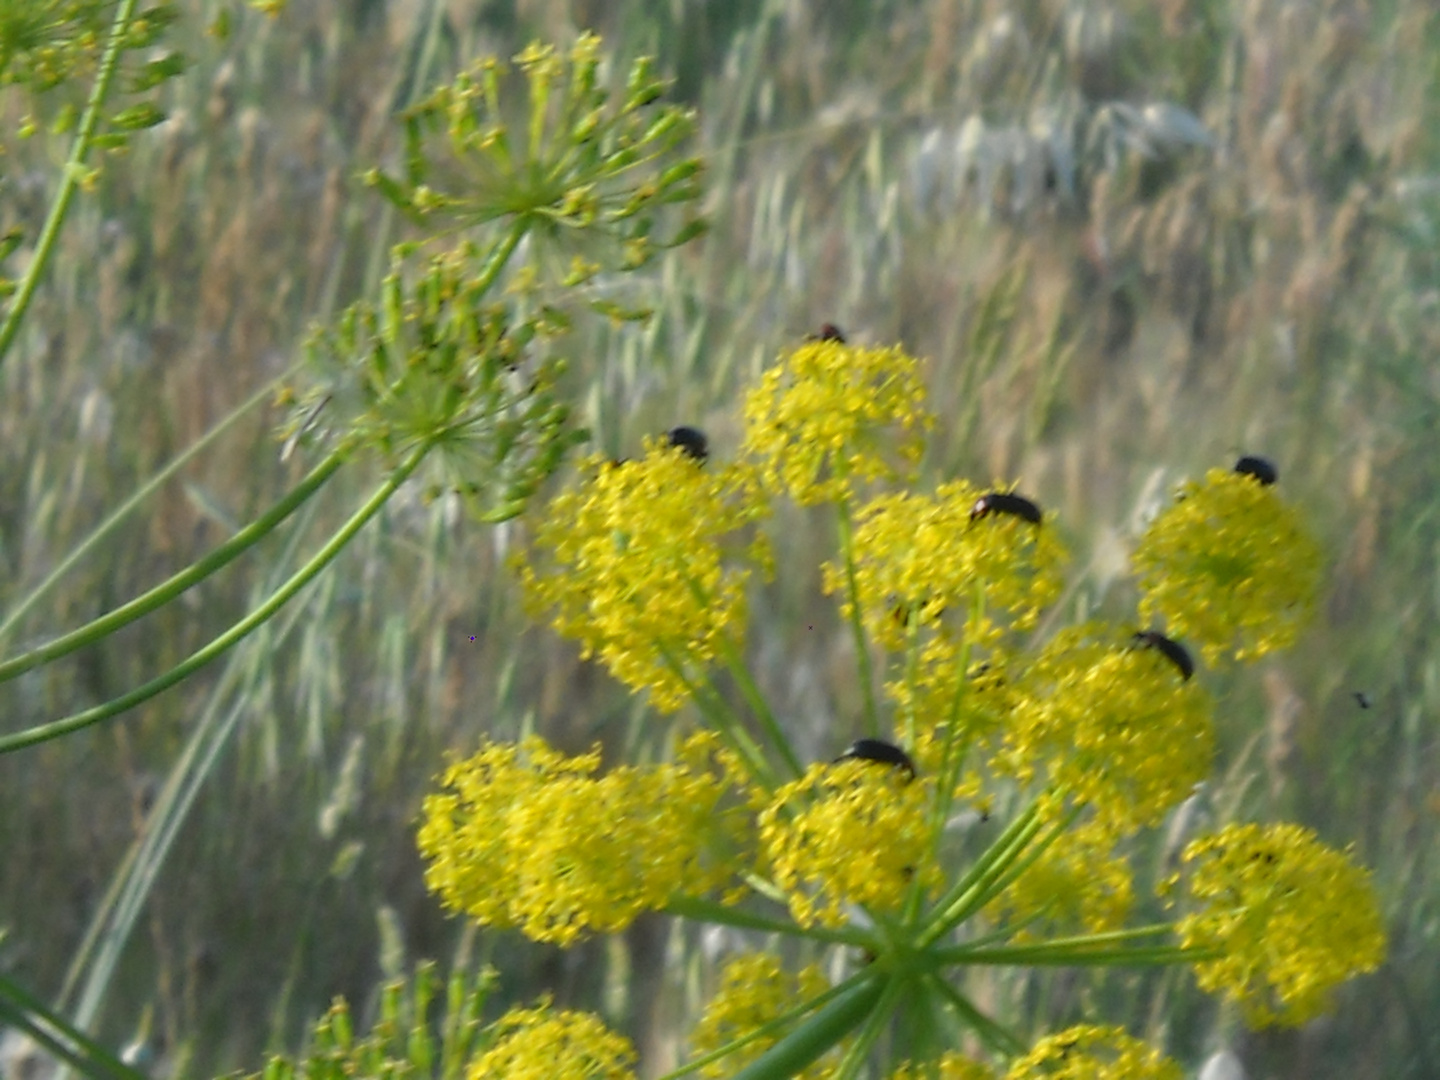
pixel 1135 239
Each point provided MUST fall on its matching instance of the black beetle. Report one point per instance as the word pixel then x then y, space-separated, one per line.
pixel 1258 468
pixel 1173 651
pixel 1006 502
pixel 691 440
pixel 829 332
pixel 879 751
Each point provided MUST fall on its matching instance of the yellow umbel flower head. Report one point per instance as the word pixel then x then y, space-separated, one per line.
pixel 634 563
pixel 754 990
pixel 1076 883
pixel 554 1044
pixel 1087 1052
pixel 530 838
pixel 852 832
pixel 1229 567
pixel 1114 722
pixel 919 556
pixel 1292 918
pixel 820 420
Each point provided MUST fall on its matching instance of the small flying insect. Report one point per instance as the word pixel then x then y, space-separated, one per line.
pixel 881 752
pixel 1259 468
pixel 691 440
pixel 1173 651
pixel 1362 699
pixel 829 332
pixel 1006 502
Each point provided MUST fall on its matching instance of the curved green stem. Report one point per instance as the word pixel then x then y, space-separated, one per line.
pixel 857 624
pixel 500 255
pixel 302 577
pixel 166 591
pixel 70 178
pixel 142 493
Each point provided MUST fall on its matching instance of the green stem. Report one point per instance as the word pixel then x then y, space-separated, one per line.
pixel 70 178
pixel 880 1013
pixel 321 559
pixel 1088 943
pixel 22 1011
pixel 1041 956
pixel 165 592
pixel 1006 848
pixel 1001 875
pixel 992 1034
pixel 766 1029
pixel 759 706
pixel 957 746
pixel 123 511
pixel 727 724
pixel 818 1034
pixel 500 256
pixel 857 623
pixel 702 910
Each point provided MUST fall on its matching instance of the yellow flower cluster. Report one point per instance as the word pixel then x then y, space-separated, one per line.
pixel 819 420
pixel 637 568
pixel 917 556
pixel 1229 567
pixel 951 1066
pixel 1087 1052
pixel 1114 723
pixel 1291 917
pixel 524 836
pixel 550 1044
pixel 754 990
pixel 938 692
pixel 855 832
pixel 1079 881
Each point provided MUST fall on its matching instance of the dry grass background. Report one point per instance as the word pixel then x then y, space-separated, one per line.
pixel 1109 299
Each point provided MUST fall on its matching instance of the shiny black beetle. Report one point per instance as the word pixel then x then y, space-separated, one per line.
pixel 1173 651
pixel 1006 502
pixel 880 752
